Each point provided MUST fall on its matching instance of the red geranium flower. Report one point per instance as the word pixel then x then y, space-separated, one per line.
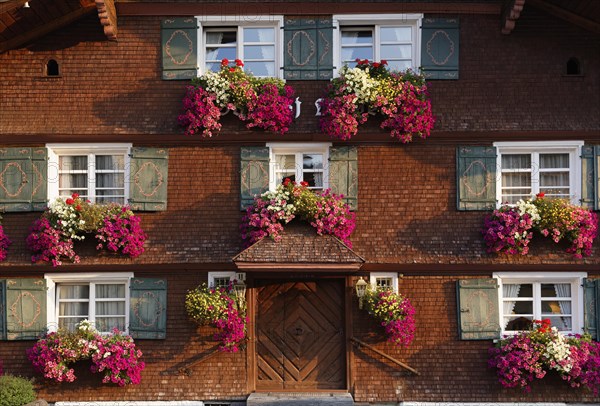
pixel 303 183
pixel 231 69
pixel 78 207
pixel 376 64
pixel 69 201
pixel 286 181
pixel 383 62
pixel 224 62
pixel 238 62
pixel 75 195
pixel 540 195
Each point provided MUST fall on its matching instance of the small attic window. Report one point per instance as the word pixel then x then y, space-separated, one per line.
pixel 52 68
pixel 573 66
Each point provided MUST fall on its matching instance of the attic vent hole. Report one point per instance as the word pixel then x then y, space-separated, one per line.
pixel 573 67
pixel 52 68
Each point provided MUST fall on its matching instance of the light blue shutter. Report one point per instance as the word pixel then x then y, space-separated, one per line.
pixel 439 48
pixel 254 174
pixel 343 173
pixel 23 179
pixel 2 309
pixel 476 178
pixel 25 308
pixel 148 308
pixel 308 48
pixel 591 293
pixel 590 176
pixel 148 179
pixel 179 40
pixel 478 312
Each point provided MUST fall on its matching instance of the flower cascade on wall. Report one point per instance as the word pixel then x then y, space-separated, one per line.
pixel 531 354
pixel 264 103
pixel 509 229
pixel 4 243
pixel 325 211
pixel 370 88
pixel 113 354
pixel 221 308
pixel 395 313
pixel 116 228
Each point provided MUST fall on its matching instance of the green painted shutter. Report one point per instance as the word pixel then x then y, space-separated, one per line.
pixel 591 314
pixel 590 176
pixel 2 309
pixel 439 48
pixel 25 308
pixel 476 178
pixel 308 48
pixel 148 178
pixel 343 173
pixel 23 179
pixel 179 40
pixel 148 308
pixel 254 174
pixel 478 313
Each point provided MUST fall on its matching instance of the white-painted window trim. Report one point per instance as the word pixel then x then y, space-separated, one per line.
pixel 573 148
pixel 224 274
pixel 373 276
pixel 56 150
pixel 376 20
pixel 574 278
pixel 52 279
pixel 298 148
pixel 241 21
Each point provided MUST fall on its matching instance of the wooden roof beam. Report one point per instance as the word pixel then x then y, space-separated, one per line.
pixel 510 14
pixel 47 28
pixel 108 18
pixel 11 5
pixel 566 15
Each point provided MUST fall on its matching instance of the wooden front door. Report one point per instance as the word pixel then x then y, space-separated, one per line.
pixel 300 335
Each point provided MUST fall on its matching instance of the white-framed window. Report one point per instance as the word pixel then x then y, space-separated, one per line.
pixel 99 173
pixel 220 279
pixel 528 168
pixel 256 40
pixel 525 297
pixel 101 298
pixel 395 38
pixel 305 162
pixel 384 280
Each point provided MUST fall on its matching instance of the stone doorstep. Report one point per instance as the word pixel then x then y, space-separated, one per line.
pixel 299 399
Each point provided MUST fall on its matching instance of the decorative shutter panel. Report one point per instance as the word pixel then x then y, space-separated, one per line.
pixel 254 174
pixel 591 313
pixel 23 177
pixel 308 48
pixel 478 313
pixel 439 48
pixel 476 178
pixel 2 310
pixel 179 40
pixel 590 176
pixel 25 308
pixel 343 174
pixel 148 308
pixel 148 178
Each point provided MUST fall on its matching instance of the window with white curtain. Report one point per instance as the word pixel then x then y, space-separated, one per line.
pixel 102 299
pixel 384 280
pixel 526 169
pixel 525 297
pixel 220 279
pixel 97 173
pixel 299 163
pixel 256 40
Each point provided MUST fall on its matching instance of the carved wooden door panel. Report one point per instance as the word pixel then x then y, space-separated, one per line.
pixel 300 335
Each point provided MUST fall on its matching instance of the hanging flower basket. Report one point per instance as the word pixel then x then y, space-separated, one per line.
pixel 530 355
pixel 394 312
pixel 115 227
pixel 113 354
pixel 264 103
pixel 4 243
pixel 325 211
pixel 220 308
pixel 401 98
pixel 509 229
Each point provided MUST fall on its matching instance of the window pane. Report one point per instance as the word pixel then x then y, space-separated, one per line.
pixel 396 34
pixel 351 53
pixel 396 51
pixel 562 323
pixel 221 37
pixel 69 323
pixel 106 324
pixel 264 69
pixel 76 181
pixel 73 309
pixel 312 161
pixel 289 175
pixel 399 65
pixel 516 161
pixel 285 161
pixel 110 180
pixel 110 291
pixel 383 282
pixel 511 180
pixel 259 52
pixel 314 179
pixel 73 163
pixel 259 35
pixel 554 161
pixel 110 308
pixel 74 292
pixel 217 54
pixel 512 290
pixel 110 162
pixel 556 290
pixel 357 37
pixel 556 307
pixel 525 307
pixel 213 66
pixel 517 323
pixel 221 282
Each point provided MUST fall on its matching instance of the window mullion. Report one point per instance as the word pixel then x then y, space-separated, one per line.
pixel 92 177
pixel 537 301
pixel 92 305
pixel 240 51
pixel 376 43
pixel 299 157
pixel 535 174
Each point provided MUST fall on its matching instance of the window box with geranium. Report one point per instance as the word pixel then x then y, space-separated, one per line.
pixel 532 354
pixel 509 229
pixel 264 103
pixel 394 312
pixel 401 98
pixel 114 355
pixel 114 226
pixel 325 211
pixel 222 308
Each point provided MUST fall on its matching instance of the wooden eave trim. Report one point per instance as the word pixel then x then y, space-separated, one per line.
pixel 47 28
pixel 300 8
pixel 108 18
pixel 475 269
pixel 566 15
pixel 11 5
pixel 282 266
pixel 257 138
pixel 511 14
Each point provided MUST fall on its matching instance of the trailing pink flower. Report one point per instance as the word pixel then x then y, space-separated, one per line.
pixel 395 313
pixel 271 111
pixel 201 115
pixel 507 231
pixel 49 244
pixel 122 233
pixel 4 244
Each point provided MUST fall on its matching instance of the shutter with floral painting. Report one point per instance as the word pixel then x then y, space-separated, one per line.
pixel 343 173
pixel 23 179
pixel 179 39
pixel 591 315
pixel 478 312
pixel 440 46
pixel 148 179
pixel 254 174
pixel 476 178
pixel 148 308
pixel 25 308
pixel 590 176
pixel 308 48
